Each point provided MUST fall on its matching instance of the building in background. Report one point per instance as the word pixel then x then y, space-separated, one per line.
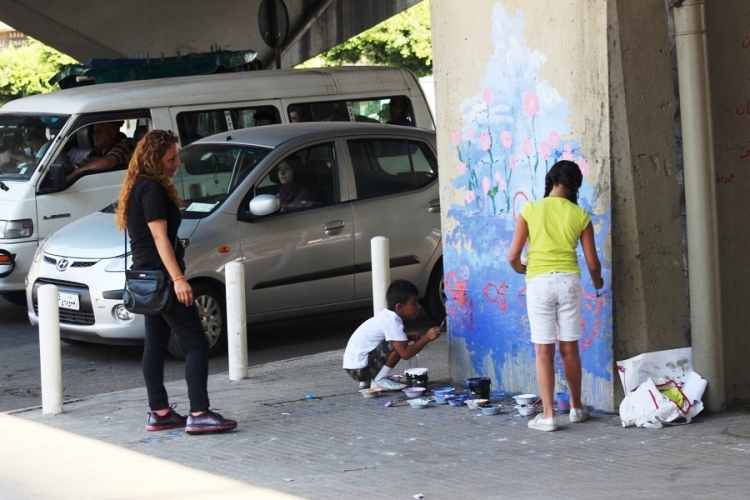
pixel 11 38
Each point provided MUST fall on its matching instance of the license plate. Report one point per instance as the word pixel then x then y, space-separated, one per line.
pixel 68 301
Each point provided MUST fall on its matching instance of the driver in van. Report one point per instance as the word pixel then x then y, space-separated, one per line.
pixel 35 143
pixel 399 111
pixel 112 150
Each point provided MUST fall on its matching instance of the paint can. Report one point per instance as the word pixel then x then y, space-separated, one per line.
pixel 417 377
pixel 479 387
pixel 563 402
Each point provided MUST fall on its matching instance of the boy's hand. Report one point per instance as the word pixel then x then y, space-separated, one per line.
pixel 433 333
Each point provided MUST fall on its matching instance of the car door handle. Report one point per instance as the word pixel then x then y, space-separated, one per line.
pixel 334 226
pixel 434 206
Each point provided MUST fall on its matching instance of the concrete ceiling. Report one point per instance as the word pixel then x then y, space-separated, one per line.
pixel 86 29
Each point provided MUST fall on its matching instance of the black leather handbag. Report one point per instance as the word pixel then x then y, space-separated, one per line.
pixel 147 291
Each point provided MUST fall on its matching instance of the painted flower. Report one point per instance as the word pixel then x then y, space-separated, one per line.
pixel 584 166
pixel 502 184
pixel 487 96
pixel 484 141
pixel 512 162
pixel 470 196
pixel 544 149
pixel 456 137
pixel 497 177
pixel 568 152
pixel 554 139
pixel 507 139
pixel 471 134
pixel 527 147
pixel 530 103
pixel 461 167
pixel 486 184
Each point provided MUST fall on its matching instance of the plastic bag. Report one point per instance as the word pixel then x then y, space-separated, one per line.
pixel 673 364
pixel 646 406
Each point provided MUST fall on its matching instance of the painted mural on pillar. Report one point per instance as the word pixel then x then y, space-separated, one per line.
pixel 513 130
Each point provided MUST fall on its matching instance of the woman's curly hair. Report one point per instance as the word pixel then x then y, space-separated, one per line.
pixel 146 163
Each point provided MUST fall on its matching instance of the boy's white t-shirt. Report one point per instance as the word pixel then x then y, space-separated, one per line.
pixel 386 325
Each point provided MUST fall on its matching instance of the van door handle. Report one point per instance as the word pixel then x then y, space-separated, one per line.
pixel 332 226
pixel 434 206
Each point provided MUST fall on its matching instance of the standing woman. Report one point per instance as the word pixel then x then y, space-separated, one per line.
pixel 149 207
pixel 553 227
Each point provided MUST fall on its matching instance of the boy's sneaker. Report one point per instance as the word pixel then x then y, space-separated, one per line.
pixel 387 384
pixel 543 424
pixel 208 421
pixel 579 415
pixel 364 385
pixel 172 420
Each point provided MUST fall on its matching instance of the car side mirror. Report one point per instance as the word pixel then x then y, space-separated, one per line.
pixel 264 204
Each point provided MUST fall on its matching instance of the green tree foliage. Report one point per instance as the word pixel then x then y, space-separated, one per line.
pixel 404 40
pixel 26 70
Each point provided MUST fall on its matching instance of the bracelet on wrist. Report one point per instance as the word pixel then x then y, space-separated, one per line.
pixel 178 278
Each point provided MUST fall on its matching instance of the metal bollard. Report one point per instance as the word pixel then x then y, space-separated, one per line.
pixel 236 321
pixel 381 271
pixel 49 350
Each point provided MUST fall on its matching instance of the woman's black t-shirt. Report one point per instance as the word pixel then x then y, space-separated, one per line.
pixel 149 202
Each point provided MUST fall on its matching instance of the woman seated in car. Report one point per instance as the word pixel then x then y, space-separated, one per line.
pixel 293 194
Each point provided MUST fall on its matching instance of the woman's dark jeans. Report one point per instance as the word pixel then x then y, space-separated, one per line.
pixel 187 327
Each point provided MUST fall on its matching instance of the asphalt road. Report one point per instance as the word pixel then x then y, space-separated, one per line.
pixel 98 369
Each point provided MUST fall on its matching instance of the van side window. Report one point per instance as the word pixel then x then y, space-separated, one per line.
pixel 304 179
pixel 387 166
pixel 363 110
pixel 194 125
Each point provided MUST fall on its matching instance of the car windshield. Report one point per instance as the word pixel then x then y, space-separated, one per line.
pixel 211 172
pixel 24 139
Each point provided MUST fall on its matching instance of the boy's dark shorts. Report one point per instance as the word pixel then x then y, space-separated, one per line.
pixel 375 361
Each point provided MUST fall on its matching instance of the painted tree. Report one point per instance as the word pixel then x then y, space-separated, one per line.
pixel 403 40
pixel 26 70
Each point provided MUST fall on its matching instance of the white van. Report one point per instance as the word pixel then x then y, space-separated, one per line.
pixel 35 198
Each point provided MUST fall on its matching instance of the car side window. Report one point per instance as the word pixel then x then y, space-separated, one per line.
pixel 373 110
pixel 388 166
pixel 194 125
pixel 304 179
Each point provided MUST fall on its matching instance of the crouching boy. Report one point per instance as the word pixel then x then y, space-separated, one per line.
pixel 380 343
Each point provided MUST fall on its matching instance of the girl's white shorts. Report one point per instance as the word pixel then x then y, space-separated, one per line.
pixel 553 302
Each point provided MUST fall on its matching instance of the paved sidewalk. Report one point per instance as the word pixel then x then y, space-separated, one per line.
pixel 340 446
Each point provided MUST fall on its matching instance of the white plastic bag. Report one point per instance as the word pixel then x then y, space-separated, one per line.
pixel 647 407
pixel 673 364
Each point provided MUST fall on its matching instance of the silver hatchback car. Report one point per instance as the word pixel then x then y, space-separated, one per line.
pixel 297 204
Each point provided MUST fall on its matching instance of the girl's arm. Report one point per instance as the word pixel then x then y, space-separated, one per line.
pixel 516 247
pixel 592 260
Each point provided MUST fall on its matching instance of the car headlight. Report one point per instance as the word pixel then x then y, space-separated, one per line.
pixel 40 249
pixel 10 229
pixel 117 265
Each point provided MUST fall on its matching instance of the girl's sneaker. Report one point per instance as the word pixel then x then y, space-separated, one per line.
pixel 387 384
pixel 543 424
pixel 579 415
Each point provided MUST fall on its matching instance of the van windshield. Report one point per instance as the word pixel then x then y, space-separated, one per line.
pixel 24 139
pixel 211 172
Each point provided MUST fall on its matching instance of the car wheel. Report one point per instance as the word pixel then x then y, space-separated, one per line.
pixel 434 299
pixel 211 307
pixel 15 298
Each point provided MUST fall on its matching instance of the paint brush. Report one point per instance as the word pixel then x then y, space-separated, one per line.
pixel 391 403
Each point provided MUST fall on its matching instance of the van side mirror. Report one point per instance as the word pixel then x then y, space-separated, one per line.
pixel 57 176
pixel 264 204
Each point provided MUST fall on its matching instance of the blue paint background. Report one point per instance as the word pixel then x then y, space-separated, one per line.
pixel 475 252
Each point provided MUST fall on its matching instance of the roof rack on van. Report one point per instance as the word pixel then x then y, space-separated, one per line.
pixel 123 70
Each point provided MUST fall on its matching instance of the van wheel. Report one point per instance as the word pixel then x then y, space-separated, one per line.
pixel 434 299
pixel 15 298
pixel 212 311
